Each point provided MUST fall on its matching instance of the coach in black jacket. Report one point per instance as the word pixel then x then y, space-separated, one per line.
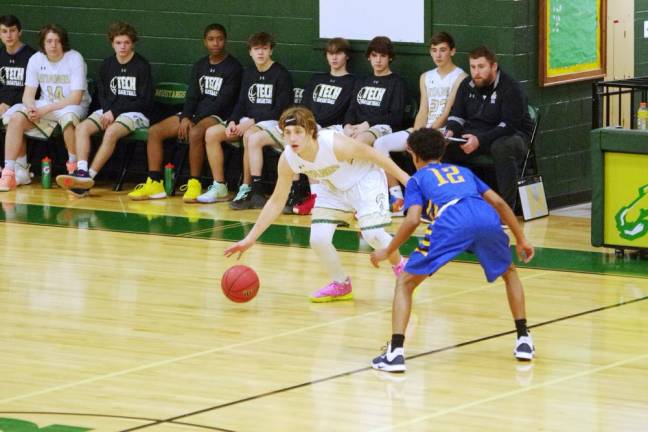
pixel 490 112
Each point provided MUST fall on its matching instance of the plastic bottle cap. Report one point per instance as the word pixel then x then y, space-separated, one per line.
pixel 169 165
pixel 46 159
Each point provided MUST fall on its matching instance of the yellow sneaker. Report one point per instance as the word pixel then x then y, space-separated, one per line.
pixel 148 191
pixel 192 189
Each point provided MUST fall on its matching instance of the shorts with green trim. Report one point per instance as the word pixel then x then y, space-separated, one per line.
pixel 44 127
pixel 130 120
pixel 379 130
pixel 271 127
pixel 367 200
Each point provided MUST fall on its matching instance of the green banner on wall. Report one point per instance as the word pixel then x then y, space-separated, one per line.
pixel 573 35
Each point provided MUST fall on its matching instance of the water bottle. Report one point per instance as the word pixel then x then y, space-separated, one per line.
pixel 46 173
pixel 169 170
pixel 642 116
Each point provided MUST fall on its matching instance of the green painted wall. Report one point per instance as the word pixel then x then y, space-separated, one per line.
pixel 641 44
pixel 171 31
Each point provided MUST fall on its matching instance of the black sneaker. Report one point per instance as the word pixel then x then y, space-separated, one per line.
pixel 242 199
pixel 251 201
pixel 80 180
pixel 292 201
pixel 390 361
pixel 258 201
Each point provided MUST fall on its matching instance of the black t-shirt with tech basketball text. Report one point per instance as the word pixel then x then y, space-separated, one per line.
pixel 12 74
pixel 213 89
pixel 126 87
pixel 264 95
pixel 378 100
pixel 328 97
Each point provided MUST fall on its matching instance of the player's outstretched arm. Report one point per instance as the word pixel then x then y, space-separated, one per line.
pixel 271 210
pixel 346 148
pixel 407 228
pixel 524 249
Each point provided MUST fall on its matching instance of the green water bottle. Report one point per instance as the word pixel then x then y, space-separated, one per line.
pixel 46 173
pixel 168 178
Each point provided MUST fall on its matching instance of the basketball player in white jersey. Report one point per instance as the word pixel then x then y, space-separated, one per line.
pixel 352 183
pixel 438 88
pixel 60 72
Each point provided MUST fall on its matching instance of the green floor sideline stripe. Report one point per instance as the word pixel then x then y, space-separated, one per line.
pixel 286 235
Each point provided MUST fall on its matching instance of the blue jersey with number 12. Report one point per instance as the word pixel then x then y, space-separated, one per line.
pixel 440 183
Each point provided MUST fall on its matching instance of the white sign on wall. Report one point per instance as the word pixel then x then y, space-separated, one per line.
pixel 401 21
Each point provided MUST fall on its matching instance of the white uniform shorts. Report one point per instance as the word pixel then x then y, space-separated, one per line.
pixel 271 127
pixel 367 200
pixel 130 120
pixel 378 130
pixel 71 114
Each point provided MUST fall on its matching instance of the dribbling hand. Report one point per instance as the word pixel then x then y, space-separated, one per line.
pixel 239 247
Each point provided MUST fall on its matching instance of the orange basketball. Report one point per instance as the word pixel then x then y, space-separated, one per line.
pixel 240 283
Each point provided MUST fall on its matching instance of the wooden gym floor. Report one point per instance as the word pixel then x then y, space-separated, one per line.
pixel 112 319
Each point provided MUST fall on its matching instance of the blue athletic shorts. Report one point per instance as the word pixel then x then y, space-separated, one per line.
pixel 471 225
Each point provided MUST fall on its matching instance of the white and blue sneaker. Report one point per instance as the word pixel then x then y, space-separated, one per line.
pixel 390 360
pixel 524 348
pixel 215 193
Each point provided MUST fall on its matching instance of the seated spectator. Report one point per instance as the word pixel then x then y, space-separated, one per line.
pixel 266 90
pixel 490 112
pixel 438 88
pixel 379 99
pixel 125 91
pixel 213 87
pixel 14 56
pixel 60 73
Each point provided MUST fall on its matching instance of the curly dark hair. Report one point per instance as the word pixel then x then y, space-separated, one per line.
pixel 427 144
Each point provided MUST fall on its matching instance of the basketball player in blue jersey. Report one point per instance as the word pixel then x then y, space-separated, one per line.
pixel 353 182
pixel 467 218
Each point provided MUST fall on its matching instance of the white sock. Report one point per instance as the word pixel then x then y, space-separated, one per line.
pixel 82 165
pixel 72 157
pixel 22 160
pixel 10 165
pixel 92 173
pixel 396 191
pixel 321 240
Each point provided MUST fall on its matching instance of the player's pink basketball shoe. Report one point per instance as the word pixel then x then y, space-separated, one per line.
pixel 335 291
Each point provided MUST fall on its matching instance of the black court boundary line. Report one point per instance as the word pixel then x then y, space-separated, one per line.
pixel 367 368
pixel 156 421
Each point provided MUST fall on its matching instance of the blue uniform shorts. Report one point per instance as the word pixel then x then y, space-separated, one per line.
pixel 470 225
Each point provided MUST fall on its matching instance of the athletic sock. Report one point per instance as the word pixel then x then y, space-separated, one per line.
pixel 397 341
pixel 257 186
pixel 92 173
pixel 155 175
pixel 521 328
pixel 82 165
pixel 10 165
pixel 72 157
pixel 22 160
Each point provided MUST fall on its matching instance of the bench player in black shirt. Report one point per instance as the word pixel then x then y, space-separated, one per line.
pixel 266 91
pixel 213 88
pixel 379 99
pixel 125 92
pixel 14 56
